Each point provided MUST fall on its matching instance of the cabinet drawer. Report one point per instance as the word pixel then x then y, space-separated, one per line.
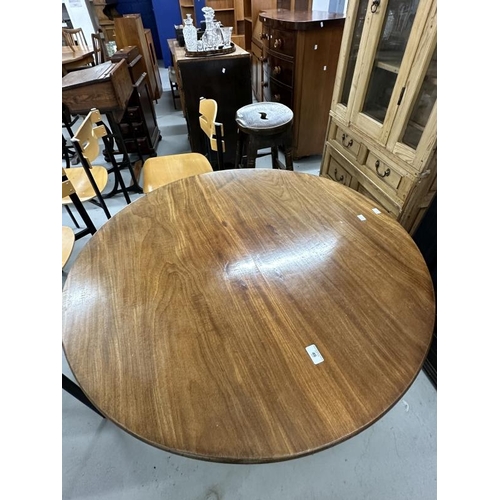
pixel 134 114
pixel 384 172
pixel 379 203
pixel 280 93
pixel 333 169
pixel 336 162
pixel 282 42
pixel 280 69
pixel 347 142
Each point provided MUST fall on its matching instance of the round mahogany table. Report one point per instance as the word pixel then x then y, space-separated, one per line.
pixel 247 315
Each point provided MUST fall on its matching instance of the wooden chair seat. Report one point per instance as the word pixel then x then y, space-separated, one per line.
pixel 81 183
pixel 68 242
pixel 161 170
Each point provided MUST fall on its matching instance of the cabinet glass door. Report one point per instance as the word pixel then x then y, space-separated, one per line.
pixel 398 22
pixel 353 52
pixel 423 106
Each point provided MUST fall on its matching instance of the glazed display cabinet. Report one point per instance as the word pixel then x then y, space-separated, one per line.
pixel 381 138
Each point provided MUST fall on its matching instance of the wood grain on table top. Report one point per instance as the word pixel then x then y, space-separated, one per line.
pixel 186 316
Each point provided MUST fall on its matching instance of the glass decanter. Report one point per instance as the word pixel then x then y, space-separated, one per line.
pixel 212 37
pixel 190 34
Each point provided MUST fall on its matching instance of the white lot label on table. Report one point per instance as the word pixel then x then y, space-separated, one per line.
pixel 314 354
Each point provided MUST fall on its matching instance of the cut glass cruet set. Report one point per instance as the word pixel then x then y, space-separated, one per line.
pixel 215 36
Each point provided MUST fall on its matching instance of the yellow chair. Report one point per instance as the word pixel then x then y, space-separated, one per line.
pixel 87 143
pixel 68 242
pixel 212 129
pixel 68 234
pixel 88 180
pixel 161 170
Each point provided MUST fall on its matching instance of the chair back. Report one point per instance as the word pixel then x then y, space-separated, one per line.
pixel 100 52
pixel 208 114
pixel 212 129
pixel 86 138
pixel 74 36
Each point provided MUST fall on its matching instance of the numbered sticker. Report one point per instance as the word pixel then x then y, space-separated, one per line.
pixel 314 354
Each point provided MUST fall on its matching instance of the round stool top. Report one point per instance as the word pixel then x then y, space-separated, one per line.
pixel 264 117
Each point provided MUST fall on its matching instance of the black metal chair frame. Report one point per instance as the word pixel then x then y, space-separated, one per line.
pixel 89 225
pixel 219 161
pixel 110 155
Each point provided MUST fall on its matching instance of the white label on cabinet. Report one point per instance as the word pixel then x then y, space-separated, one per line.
pixel 223 70
pixel 321 24
pixel 376 211
pixel 315 47
pixel 324 68
pixel 314 354
pixel 361 217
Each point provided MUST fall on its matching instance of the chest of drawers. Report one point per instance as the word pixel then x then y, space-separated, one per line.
pixel 301 51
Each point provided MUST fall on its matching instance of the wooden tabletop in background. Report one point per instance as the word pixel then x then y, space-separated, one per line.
pixel 187 316
pixel 78 54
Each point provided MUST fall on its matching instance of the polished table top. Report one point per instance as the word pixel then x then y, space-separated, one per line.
pixel 77 54
pixel 186 317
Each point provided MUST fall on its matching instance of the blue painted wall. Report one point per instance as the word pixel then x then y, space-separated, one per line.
pixel 159 16
pixel 166 13
pixel 145 9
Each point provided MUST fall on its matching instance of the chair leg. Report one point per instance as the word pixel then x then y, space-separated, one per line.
pixel 220 147
pixel 275 157
pixel 70 213
pixel 240 140
pixel 70 387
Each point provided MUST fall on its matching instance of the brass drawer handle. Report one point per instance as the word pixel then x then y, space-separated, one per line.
pixel 385 174
pixel 277 70
pixel 277 97
pixel 338 179
pixel 349 144
pixel 278 43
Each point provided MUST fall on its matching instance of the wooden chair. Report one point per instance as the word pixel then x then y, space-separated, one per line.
pixel 161 170
pixel 213 130
pixel 87 143
pixel 74 36
pixel 69 236
pixel 100 52
pixel 88 180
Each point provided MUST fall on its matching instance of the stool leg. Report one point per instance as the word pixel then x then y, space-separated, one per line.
pixel 289 159
pixel 240 139
pixel 252 148
pixel 274 156
pixel 289 151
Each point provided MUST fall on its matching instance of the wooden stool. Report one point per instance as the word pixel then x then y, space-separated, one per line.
pixel 161 170
pixel 263 125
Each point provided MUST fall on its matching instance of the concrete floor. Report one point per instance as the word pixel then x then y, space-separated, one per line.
pixel 394 459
